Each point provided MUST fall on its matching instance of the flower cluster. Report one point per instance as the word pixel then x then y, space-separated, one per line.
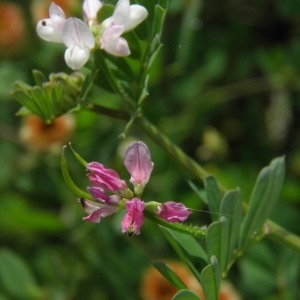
pixel 110 193
pixel 80 37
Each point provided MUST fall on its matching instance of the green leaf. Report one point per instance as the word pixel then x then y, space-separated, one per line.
pixel 78 156
pixel 189 244
pixel 68 180
pixel 39 77
pixel 211 280
pixel 15 276
pixel 263 198
pixel 51 99
pixel 181 254
pixel 217 241
pixel 213 196
pixel 170 275
pixel 231 208
pixel 186 295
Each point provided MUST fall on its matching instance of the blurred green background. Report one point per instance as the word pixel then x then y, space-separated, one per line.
pixel 225 87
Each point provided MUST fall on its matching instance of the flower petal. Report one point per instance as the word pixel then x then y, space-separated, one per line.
pixel 137 15
pixel 107 179
pixel 51 29
pixel 76 32
pixel 138 163
pixel 173 211
pixel 76 57
pixel 56 11
pixel 112 43
pixel 121 12
pixel 133 219
pixel 98 194
pixel 96 211
pixel 90 10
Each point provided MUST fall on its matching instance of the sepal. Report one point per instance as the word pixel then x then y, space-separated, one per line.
pixel 50 99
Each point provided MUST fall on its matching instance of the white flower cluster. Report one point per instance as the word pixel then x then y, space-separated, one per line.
pixel 78 37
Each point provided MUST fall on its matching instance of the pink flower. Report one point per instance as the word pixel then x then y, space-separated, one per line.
pixel 96 211
pixel 106 179
pixel 99 194
pixel 173 211
pixel 133 219
pixel 138 163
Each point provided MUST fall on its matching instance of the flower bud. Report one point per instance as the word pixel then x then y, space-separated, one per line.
pixel 138 163
pixel 173 211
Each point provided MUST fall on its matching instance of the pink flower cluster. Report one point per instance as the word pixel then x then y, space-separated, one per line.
pixel 110 193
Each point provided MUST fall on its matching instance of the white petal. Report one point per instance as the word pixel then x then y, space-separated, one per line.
pixel 112 43
pixel 137 15
pixel 121 12
pixel 116 46
pixel 58 17
pixel 48 32
pixel 76 57
pixel 55 10
pixel 90 9
pixel 76 32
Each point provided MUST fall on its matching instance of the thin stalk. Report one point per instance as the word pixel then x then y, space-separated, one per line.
pixel 192 230
pixel 280 235
pixel 174 151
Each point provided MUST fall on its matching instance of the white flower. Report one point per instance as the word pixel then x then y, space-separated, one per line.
pixel 112 42
pixel 129 16
pixel 90 10
pixel 79 41
pixel 51 29
pixel 125 18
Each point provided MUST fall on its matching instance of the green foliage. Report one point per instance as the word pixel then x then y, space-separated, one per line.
pixel 185 295
pixel 213 196
pixel 16 278
pixel 189 244
pixel 263 198
pixel 211 279
pixel 49 99
pixel 229 69
pixel 169 274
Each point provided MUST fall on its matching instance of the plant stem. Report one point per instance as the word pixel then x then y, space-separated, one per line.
pixel 192 230
pixel 282 236
pixel 174 151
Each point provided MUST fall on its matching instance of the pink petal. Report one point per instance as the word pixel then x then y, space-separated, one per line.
pixel 96 211
pixel 133 219
pixel 98 194
pixel 138 163
pixel 107 179
pixel 173 212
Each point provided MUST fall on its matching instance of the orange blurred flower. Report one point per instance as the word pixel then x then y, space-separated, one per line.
pixel 38 136
pixel 12 28
pixel 154 286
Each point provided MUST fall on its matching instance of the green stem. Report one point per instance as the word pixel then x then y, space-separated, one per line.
pixel 282 236
pixel 116 114
pixel 174 151
pixel 192 230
